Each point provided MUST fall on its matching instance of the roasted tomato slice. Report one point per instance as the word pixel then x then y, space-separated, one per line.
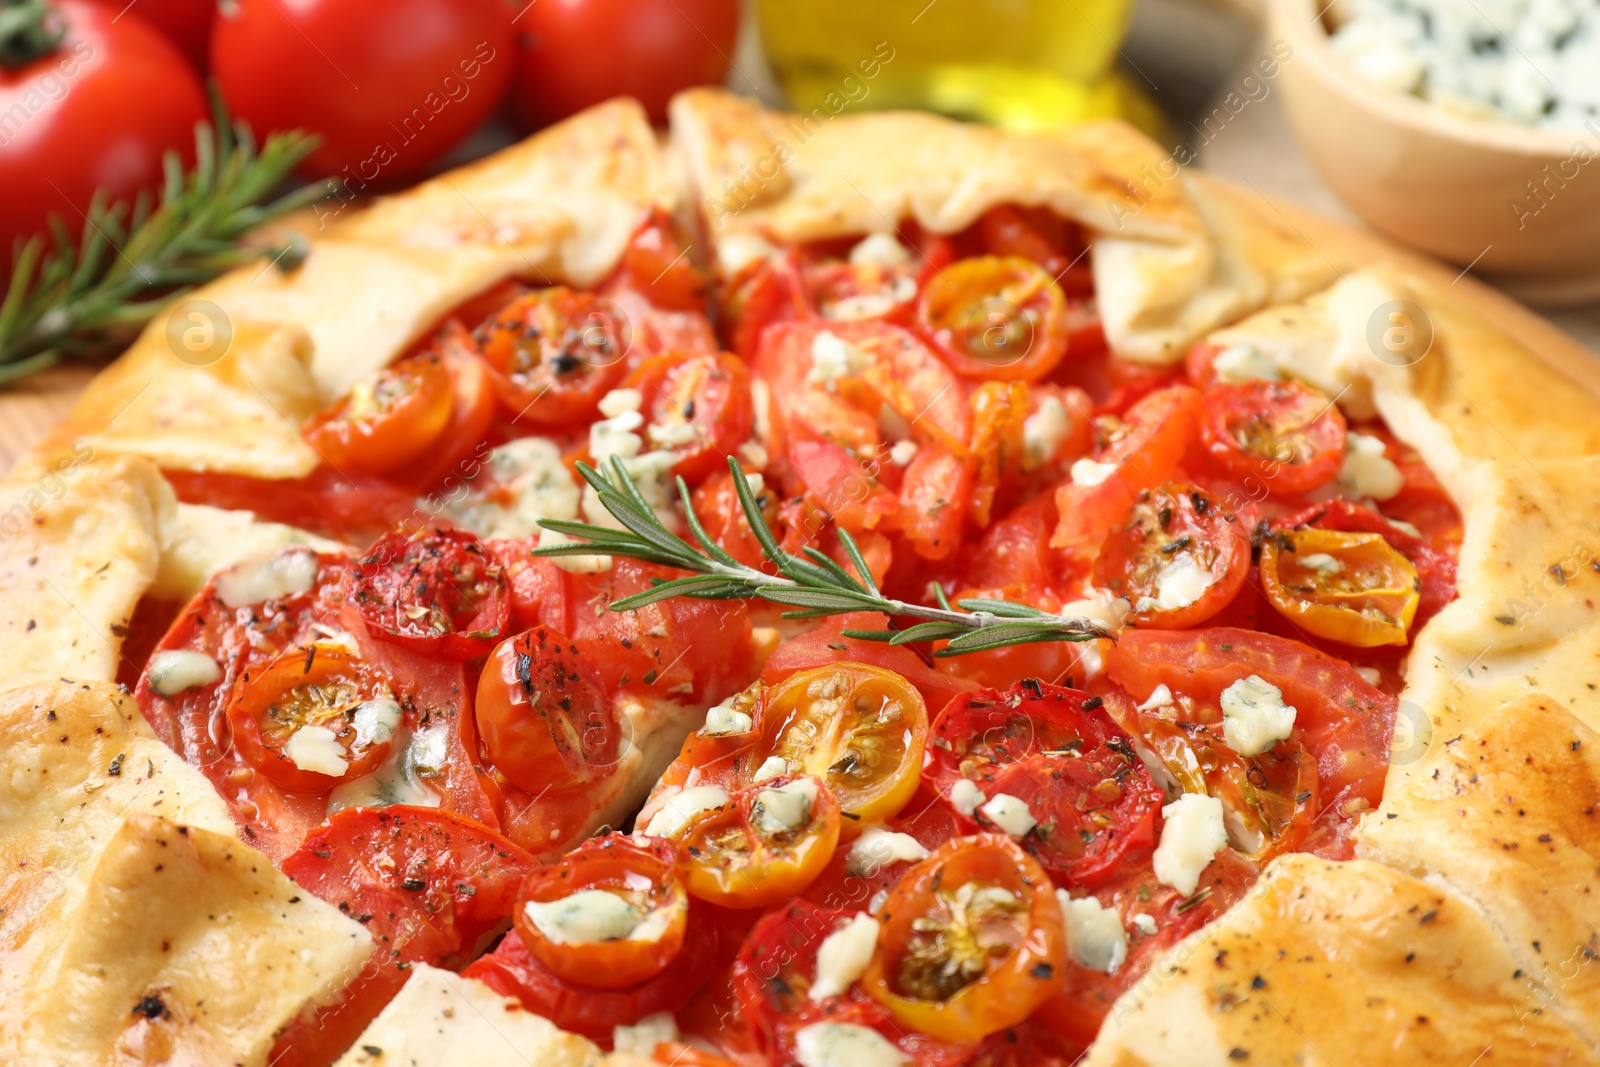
pixel 996 318
pixel 1347 587
pixel 427 885
pixel 1179 557
pixel 545 719
pixel 860 289
pixel 1139 451
pixel 1436 569
pixel 1343 722
pixel 1286 435
pixel 314 717
pixel 858 728
pixel 971 942
pixel 554 353
pixel 388 419
pixel 436 590
pixel 765 846
pixel 611 914
pixel 780 995
pixel 697 407
pixel 1049 766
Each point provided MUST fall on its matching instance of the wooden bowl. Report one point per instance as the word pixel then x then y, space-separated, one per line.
pixel 1521 205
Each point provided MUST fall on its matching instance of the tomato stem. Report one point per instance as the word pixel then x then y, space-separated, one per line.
pixel 29 30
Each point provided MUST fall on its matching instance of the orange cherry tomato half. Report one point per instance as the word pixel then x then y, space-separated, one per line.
pixel 554 353
pixel 971 941
pixel 388 419
pixel 1353 588
pixel 1287 435
pixel 765 846
pixel 1179 557
pixel 610 915
pixel 996 318
pixel 698 407
pixel 435 590
pixel 312 718
pixel 543 714
pixel 860 729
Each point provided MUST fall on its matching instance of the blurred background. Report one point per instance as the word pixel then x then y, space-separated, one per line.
pixel 1463 130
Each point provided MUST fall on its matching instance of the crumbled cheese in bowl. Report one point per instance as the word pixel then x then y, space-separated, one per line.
pixel 1533 62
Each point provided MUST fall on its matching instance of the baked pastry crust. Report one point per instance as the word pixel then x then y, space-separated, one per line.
pixel 1468 920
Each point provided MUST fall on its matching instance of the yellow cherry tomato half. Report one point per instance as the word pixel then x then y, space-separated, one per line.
pixel 971 941
pixel 766 845
pixel 1347 587
pixel 860 729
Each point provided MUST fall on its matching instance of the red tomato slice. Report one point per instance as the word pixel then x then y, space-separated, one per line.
pixel 995 318
pixel 1145 451
pixel 1285 435
pixel 355 508
pixel 1179 557
pixel 1345 723
pixel 387 419
pixel 434 590
pixel 512 971
pixel 933 500
pixel 763 294
pixel 657 265
pixel 1058 751
pixel 554 353
pixel 696 406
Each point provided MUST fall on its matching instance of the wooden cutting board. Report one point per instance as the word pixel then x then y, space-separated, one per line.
pixel 35 404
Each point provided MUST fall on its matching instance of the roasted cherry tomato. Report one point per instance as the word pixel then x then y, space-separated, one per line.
pixel 610 915
pixel 765 846
pixel 1285 435
pixel 1341 720
pixel 313 717
pixel 1179 557
pixel 460 448
pixel 1045 238
pixel 657 265
pixel 1065 764
pixel 436 590
pixel 388 419
pixel 849 291
pixel 716 503
pixel 554 353
pixel 1436 568
pixel 696 406
pixel 427 885
pixel 858 728
pixel 996 318
pixel 543 714
pixel 1347 587
pixel 971 942
pixel 1140 451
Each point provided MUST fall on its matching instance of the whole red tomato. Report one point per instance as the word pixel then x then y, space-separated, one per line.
pixel 391 85
pixel 97 112
pixel 574 53
pixel 186 23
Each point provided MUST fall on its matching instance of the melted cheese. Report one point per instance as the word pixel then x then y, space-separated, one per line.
pixel 1044 432
pixel 178 670
pixel 684 805
pixel 1254 716
pixel 843 957
pixel 878 848
pixel 965 796
pixel 1087 472
pixel 785 809
pixel 1009 814
pixel 1095 934
pixel 845 1045
pixel 586 916
pixel 317 748
pixel 254 581
pixel 1194 832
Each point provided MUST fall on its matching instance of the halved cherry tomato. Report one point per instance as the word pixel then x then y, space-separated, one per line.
pixel 999 416
pixel 995 318
pixel 827 644
pixel 427 885
pixel 972 941
pixel 843 291
pixel 766 845
pixel 583 1008
pixel 387 419
pixel 772 979
pixel 1347 587
pixel 610 915
pixel 657 264
pixel 460 447
pixel 1043 237
pixel 858 728
pixel 1436 568
pixel 934 498
pixel 1145 448
pixel 696 406
pixel 545 719
pixel 554 353
pixel 313 717
pixel 1058 751
pixel 1287 435
pixel 767 292
pixel 435 590
pixel 716 502
pixel 1342 721
pixel 1179 557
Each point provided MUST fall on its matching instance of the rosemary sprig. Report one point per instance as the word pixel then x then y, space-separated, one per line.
pixel 815 586
pixel 84 298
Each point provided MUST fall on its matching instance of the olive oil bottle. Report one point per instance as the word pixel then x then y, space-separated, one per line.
pixel 1019 63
